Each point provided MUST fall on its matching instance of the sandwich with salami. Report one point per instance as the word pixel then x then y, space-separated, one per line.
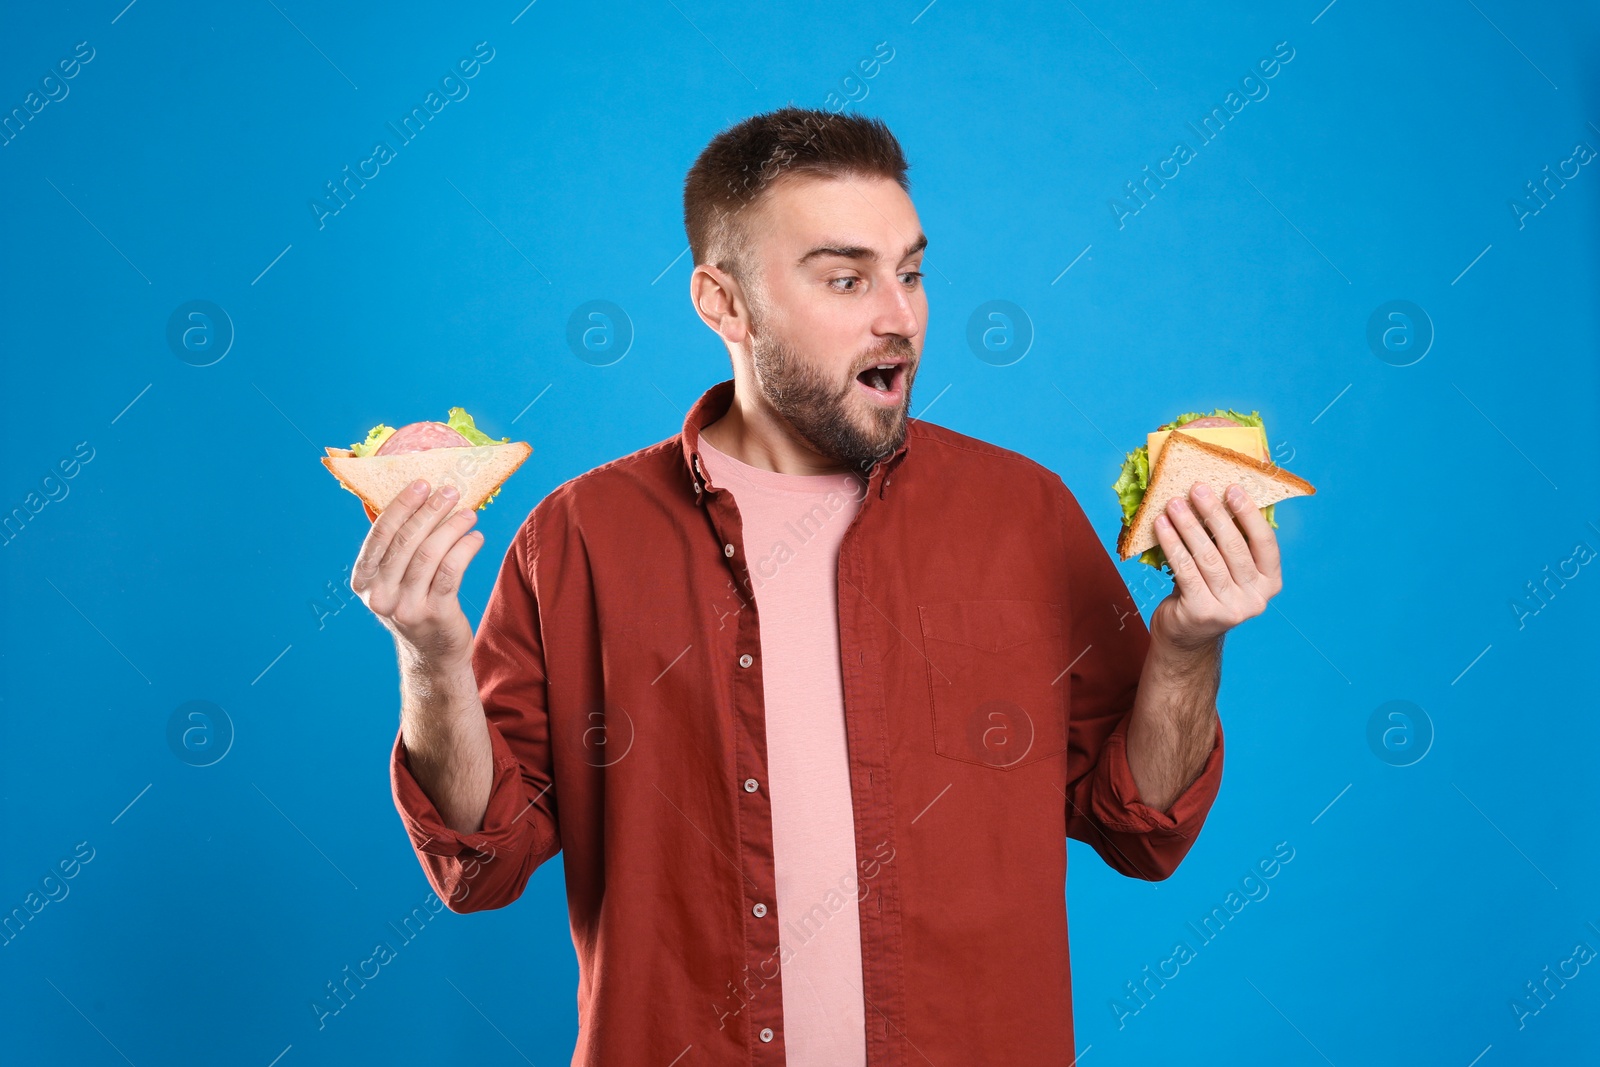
pixel 1224 448
pixel 454 452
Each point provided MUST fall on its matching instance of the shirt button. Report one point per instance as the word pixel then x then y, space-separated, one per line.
pixel 746 659
pixel 759 910
pixel 727 550
pixel 766 1033
pixel 751 785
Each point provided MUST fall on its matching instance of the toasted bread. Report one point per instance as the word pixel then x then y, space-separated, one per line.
pixel 1186 459
pixel 475 470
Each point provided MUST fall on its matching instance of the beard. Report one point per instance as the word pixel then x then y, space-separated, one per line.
pixel 825 412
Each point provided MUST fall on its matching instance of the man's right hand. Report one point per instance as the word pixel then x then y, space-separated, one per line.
pixel 409 571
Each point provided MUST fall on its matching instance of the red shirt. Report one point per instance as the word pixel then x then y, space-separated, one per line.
pixel 991 654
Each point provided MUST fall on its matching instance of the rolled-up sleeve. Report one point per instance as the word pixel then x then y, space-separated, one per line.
pixel 490 868
pixel 1110 640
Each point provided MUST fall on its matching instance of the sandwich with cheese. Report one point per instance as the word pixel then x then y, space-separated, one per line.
pixel 454 452
pixel 1221 449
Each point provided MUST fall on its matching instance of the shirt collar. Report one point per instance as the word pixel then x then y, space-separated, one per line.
pixel 714 403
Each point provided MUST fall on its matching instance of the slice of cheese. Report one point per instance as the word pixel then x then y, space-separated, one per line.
pixel 1251 440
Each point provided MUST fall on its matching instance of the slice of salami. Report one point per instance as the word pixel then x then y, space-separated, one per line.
pixel 419 437
pixel 1199 424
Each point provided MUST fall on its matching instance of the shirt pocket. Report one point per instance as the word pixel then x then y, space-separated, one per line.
pixel 997 686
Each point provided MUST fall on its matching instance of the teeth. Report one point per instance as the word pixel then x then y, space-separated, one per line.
pixel 879 377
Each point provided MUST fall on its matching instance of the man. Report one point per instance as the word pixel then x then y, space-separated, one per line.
pixel 810 695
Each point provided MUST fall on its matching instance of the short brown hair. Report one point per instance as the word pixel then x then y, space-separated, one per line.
pixel 744 160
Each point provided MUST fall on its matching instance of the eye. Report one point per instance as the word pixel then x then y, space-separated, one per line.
pixel 832 283
pixel 915 276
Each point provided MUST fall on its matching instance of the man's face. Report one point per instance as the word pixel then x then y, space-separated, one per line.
pixel 838 293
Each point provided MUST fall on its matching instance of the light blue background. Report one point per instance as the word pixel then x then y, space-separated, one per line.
pixel 186 559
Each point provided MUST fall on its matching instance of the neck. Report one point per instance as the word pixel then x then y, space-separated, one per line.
pixel 752 433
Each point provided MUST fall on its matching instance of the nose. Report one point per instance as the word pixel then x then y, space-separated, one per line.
pixel 899 312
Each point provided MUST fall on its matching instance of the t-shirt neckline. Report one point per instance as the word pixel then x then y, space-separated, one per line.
pixel 811 484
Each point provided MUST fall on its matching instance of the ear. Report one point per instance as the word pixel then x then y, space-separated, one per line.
pixel 720 303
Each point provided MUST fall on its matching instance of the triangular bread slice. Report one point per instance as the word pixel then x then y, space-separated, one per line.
pixel 1184 460
pixel 475 470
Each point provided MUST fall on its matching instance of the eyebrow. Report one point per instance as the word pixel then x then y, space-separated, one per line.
pixel 859 252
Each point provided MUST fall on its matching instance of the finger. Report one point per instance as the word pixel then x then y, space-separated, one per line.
pixel 390 519
pixel 447 579
pixel 413 530
pixel 1225 532
pixel 1263 542
pixel 1185 575
pixel 425 560
pixel 1202 551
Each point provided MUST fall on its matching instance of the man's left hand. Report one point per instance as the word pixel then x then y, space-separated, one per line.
pixel 1220 578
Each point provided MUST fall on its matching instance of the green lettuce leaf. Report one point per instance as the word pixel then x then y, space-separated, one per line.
pixel 462 424
pixel 375 439
pixel 1133 481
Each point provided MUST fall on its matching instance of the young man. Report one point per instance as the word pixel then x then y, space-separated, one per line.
pixel 810 695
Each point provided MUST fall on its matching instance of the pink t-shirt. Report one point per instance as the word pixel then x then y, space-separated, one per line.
pixel 793 525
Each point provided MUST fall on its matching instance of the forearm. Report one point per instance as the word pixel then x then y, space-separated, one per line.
pixel 1174 723
pixel 446 737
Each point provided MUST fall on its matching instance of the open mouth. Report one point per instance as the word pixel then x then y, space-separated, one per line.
pixel 883 383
